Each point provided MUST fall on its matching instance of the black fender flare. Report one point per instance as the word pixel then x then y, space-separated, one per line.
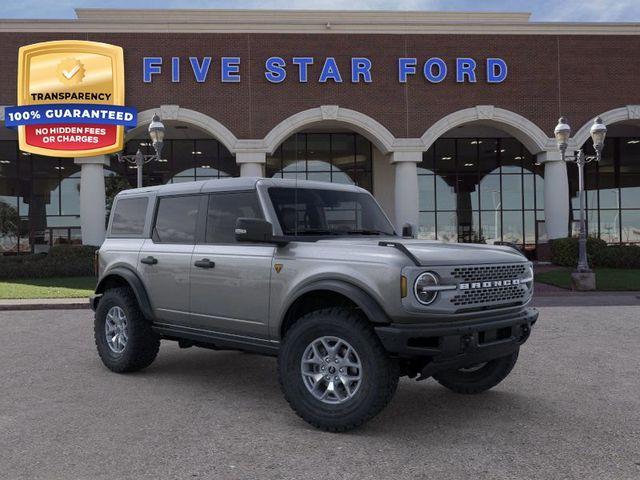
pixel 134 282
pixel 365 302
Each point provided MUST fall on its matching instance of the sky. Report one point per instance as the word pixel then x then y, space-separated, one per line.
pixel 542 10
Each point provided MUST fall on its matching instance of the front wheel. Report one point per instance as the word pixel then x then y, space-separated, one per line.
pixel 334 371
pixel 478 378
pixel 123 336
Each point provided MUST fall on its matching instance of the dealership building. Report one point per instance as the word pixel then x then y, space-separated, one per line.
pixel 446 118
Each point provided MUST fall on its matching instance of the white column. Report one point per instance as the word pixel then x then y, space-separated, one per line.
pixel 92 199
pixel 406 189
pixel 556 194
pixel 251 163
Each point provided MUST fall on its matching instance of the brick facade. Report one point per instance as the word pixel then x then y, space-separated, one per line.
pixel 575 75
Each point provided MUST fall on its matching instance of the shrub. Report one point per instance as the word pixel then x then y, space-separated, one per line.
pixel 618 256
pixel 61 261
pixel 564 252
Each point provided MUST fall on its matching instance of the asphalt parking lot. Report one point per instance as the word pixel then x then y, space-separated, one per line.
pixel 570 409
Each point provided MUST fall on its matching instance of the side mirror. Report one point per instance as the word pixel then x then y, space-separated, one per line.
pixel 254 230
pixel 407 230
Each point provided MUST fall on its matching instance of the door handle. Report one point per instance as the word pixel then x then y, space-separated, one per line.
pixel 149 260
pixel 204 263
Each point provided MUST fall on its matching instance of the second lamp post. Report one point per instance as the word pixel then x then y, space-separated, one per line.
pixel 156 133
pixel 562 133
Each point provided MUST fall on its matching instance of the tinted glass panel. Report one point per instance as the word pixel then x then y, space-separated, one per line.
pixel 630 226
pixel 308 211
pixel 223 211
pixel 176 219
pixel 128 216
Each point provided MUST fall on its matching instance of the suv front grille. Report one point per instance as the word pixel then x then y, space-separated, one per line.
pixel 484 296
pixel 512 293
pixel 491 272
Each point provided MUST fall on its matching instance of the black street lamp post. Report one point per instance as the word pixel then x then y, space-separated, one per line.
pixel 562 133
pixel 156 133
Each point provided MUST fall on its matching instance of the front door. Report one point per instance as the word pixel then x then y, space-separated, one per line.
pixel 165 259
pixel 230 280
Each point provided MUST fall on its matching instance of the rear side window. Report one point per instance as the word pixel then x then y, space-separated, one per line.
pixel 224 209
pixel 176 219
pixel 129 215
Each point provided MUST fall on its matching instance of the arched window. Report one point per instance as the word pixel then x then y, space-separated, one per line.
pixel 480 190
pixel 327 157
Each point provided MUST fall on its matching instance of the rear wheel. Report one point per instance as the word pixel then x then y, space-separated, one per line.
pixel 478 378
pixel 333 370
pixel 123 336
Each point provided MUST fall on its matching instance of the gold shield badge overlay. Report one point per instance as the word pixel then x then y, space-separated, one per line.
pixel 73 66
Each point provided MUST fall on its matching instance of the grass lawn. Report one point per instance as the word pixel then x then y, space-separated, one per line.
pixel 606 278
pixel 69 287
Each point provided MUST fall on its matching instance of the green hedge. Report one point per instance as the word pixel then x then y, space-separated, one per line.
pixel 564 252
pixel 61 261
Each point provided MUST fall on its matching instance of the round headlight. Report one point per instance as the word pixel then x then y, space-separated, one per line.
pixel 422 288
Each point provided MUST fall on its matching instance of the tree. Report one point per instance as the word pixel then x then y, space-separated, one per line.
pixel 9 221
pixel 114 184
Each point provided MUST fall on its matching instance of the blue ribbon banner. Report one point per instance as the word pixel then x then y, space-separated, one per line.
pixel 70 113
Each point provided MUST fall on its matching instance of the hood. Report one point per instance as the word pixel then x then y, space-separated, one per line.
pixel 432 253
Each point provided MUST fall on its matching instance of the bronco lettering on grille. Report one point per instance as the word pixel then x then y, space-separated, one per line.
pixel 488 284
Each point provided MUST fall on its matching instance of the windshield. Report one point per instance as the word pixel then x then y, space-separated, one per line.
pixel 308 211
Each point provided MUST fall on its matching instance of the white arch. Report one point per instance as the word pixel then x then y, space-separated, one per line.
pixel 382 138
pixel 200 120
pixel 531 136
pixel 630 112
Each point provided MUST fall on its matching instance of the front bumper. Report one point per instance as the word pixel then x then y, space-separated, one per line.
pixel 459 344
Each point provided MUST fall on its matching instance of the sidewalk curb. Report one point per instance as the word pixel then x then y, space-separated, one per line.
pixel 9 305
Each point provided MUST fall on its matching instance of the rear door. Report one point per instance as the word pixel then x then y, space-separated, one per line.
pixel 165 258
pixel 230 280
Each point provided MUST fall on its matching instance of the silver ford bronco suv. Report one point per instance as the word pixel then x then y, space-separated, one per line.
pixel 314 274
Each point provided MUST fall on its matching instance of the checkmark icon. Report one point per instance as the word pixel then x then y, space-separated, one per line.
pixel 71 73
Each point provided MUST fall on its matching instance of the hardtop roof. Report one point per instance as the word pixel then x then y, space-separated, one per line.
pixel 230 184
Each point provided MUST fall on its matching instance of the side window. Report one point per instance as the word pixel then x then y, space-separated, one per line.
pixel 176 219
pixel 224 209
pixel 129 215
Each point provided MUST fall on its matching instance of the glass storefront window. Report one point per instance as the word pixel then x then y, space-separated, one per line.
pixel 630 190
pixel 609 225
pixel 445 194
pixel 511 156
pixel 630 224
pixel 480 190
pixel 427 227
pixel 182 163
pixel 612 191
pixel 447 227
pixel 42 194
pixel 512 192
pixel 512 227
pixel 326 157
pixel 490 192
pixel 491 225
pixel 426 187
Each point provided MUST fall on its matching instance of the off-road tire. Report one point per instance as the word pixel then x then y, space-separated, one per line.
pixel 142 345
pixel 478 381
pixel 380 373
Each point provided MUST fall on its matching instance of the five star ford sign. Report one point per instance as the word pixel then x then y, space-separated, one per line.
pixel 70 99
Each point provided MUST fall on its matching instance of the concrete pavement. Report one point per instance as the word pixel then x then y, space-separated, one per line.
pixel 568 410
